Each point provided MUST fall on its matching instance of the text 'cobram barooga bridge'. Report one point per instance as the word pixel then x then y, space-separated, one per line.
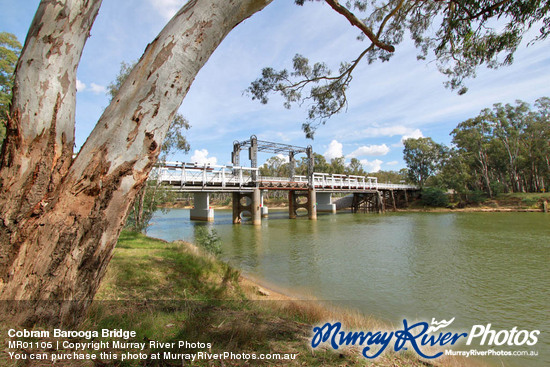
pixel 312 192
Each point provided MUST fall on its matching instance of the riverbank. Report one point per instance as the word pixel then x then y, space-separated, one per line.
pixel 168 291
pixel 510 202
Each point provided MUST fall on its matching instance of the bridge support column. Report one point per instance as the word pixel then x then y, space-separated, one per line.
pixel 381 206
pixel 368 202
pixel 236 207
pixel 291 205
pixel 252 205
pixel 310 204
pixel 264 209
pixel 256 207
pixel 324 203
pixel 201 207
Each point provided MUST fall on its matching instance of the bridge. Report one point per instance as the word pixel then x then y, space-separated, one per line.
pixel 312 192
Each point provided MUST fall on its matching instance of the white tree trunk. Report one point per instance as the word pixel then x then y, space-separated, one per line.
pixel 40 132
pixel 75 228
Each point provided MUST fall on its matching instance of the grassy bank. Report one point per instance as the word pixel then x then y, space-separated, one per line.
pixel 172 291
pixel 509 202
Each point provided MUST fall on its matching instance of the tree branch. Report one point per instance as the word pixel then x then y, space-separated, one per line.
pixel 334 4
pixel 482 11
pixel 390 15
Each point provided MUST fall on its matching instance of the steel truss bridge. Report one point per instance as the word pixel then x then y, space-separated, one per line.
pixel 311 192
pixel 192 177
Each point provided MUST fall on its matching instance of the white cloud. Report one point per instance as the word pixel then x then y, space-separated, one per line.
pixel 97 89
pixel 80 86
pixel 167 8
pixel 392 163
pixel 94 88
pixel 334 150
pixel 374 132
pixel 415 134
pixel 371 166
pixel 369 150
pixel 201 157
pixel 285 158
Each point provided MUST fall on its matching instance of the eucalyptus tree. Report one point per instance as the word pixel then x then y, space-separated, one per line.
pixel 459 35
pixel 507 146
pixel 175 139
pixel 9 53
pixel 355 168
pixel 424 158
pixel 275 166
pixel 536 141
pixel 337 165
pixel 473 138
pixel 60 215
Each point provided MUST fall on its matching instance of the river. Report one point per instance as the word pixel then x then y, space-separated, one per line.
pixel 480 268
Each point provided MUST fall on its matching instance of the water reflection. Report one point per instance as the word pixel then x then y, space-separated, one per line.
pixel 478 267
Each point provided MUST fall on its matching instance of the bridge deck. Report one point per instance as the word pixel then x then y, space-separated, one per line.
pixel 191 177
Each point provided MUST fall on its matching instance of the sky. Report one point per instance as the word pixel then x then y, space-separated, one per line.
pixel 387 102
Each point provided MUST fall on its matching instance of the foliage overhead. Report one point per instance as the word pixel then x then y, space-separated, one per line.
pixel 460 35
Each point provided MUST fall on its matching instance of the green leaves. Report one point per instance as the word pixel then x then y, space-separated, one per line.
pixel 208 239
pixel 507 147
pixel 175 140
pixel 10 48
pixel 306 83
pixel 460 36
pixel 423 157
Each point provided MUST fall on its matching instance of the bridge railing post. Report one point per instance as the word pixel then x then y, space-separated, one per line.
pixel 183 175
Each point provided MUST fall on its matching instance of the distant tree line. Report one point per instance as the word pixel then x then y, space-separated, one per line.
pixel 503 149
pixel 277 166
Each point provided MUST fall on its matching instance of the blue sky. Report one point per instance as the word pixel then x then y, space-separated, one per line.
pixel 387 101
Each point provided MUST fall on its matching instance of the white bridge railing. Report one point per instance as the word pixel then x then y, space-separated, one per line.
pixel 339 181
pixel 336 181
pixel 192 174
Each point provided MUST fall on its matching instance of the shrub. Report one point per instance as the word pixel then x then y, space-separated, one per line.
pixel 497 187
pixel 435 197
pixel 208 240
pixel 476 197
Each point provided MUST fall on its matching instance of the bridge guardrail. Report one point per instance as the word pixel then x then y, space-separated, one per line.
pixel 192 174
pixel 204 175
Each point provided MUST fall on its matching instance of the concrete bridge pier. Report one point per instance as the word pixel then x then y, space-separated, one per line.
pixel 291 205
pixel 247 202
pixel 201 207
pixel 324 203
pixel 302 199
pixel 264 209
